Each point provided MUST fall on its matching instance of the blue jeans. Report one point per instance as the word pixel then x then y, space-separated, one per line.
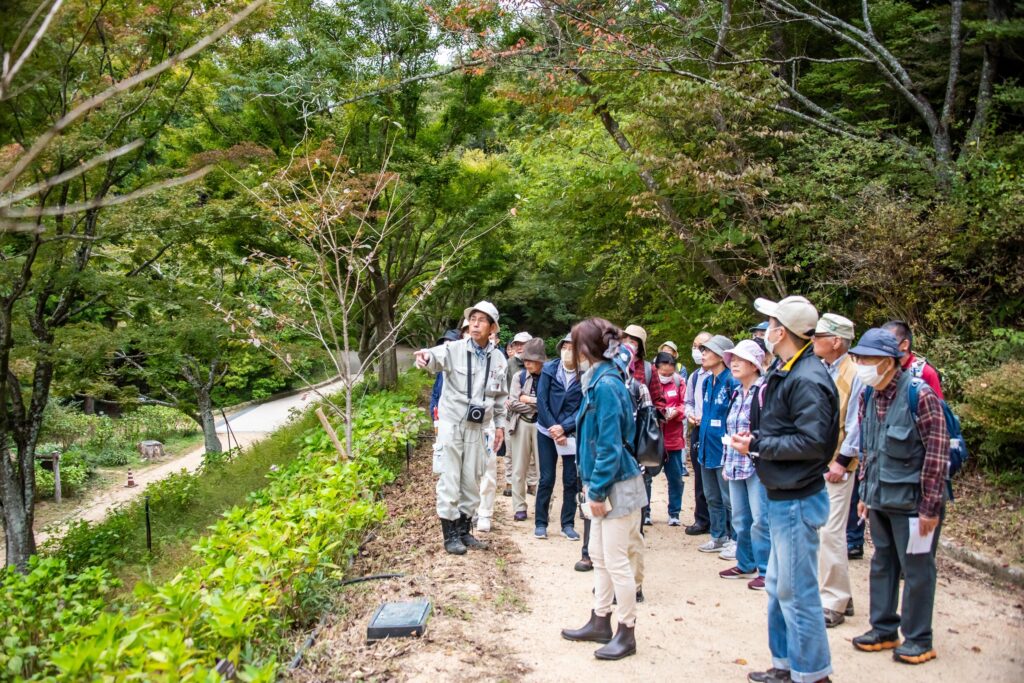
pixel 548 460
pixel 796 629
pixel 716 490
pixel 750 521
pixel 674 470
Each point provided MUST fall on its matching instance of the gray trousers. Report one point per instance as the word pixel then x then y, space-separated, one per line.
pixel 463 459
pixel 890 533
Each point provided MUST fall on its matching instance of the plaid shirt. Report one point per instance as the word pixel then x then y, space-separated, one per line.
pixel 737 466
pixel 931 425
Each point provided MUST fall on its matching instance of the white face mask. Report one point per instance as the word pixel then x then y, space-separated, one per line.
pixel 869 375
pixel 567 358
pixel 584 365
pixel 697 356
pixel 769 345
pixel 664 380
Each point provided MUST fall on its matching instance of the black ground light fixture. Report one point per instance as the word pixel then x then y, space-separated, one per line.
pixel 398 620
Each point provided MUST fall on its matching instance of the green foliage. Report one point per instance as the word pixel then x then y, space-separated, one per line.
pixel 993 415
pixel 110 442
pixel 44 610
pixel 263 567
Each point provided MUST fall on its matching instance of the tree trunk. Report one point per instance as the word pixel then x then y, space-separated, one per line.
pixel 387 367
pixel 17 516
pixel 206 419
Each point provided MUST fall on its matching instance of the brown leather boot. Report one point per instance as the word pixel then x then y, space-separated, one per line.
pixel 597 630
pixel 622 645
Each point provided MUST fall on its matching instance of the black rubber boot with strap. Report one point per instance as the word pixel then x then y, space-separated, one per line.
pixel 452 542
pixel 466 536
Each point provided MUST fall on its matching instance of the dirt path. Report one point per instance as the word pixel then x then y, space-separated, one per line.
pixel 695 624
pixel 497 614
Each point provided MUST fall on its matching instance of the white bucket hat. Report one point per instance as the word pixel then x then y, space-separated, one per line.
pixel 484 307
pixel 749 350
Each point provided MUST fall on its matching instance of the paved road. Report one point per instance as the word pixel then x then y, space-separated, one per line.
pixel 249 425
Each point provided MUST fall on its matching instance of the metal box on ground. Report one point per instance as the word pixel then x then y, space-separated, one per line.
pixel 398 620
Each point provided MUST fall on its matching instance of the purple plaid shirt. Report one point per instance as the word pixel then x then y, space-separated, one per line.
pixel 931 425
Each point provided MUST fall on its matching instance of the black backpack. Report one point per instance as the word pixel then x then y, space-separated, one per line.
pixel 649 441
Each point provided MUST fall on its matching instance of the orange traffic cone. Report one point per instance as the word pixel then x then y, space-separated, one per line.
pixel 131 480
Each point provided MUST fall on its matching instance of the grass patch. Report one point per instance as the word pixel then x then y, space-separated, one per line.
pixel 181 508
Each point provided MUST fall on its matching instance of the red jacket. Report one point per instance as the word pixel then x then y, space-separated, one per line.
pixel 673 429
pixel 919 367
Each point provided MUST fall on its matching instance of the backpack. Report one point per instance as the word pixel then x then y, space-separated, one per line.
pixel 649 442
pixel 958 454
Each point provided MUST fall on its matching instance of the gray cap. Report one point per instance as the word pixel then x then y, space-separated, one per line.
pixel 521 337
pixel 567 339
pixel 718 345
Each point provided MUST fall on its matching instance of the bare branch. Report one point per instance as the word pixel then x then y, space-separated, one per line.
pixel 53 181
pixel 44 140
pixel 105 202
pixel 9 73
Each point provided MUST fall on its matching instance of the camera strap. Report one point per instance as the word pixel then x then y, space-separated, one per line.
pixel 469 374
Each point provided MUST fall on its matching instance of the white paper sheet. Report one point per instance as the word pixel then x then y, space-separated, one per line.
pixel 569 448
pixel 918 544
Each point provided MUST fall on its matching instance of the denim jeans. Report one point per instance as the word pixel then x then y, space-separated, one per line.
pixel 716 490
pixel 548 460
pixel 796 628
pixel 674 470
pixel 700 509
pixel 750 521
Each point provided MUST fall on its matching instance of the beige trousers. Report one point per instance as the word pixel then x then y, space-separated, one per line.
pixel 833 564
pixel 462 461
pixel 522 462
pixel 610 544
pixel 636 553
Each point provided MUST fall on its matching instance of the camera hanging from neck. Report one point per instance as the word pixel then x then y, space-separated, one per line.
pixel 469 375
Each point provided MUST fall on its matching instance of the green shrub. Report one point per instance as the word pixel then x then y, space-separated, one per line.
pixel 44 610
pixel 75 472
pixel 993 416
pixel 261 570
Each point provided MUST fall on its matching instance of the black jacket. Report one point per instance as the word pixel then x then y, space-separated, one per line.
pixel 798 428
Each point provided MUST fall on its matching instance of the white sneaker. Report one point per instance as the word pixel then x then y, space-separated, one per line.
pixel 673 521
pixel 483 524
pixel 728 552
pixel 712 546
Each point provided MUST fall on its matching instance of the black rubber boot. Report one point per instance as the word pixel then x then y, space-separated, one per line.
pixel 467 538
pixel 597 630
pixel 622 645
pixel 452 543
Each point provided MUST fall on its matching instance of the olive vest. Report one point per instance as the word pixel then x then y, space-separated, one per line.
pixel 893 454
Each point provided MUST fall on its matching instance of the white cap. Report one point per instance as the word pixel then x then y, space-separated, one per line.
pixel 796 314
pixel 484 307
pixel 522 337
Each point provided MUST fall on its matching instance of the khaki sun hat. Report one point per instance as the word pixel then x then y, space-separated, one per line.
pixel 796 314
pixel 534 350
pixel 836 326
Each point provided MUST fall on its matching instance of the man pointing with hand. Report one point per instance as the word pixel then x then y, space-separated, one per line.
pixel 475 389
